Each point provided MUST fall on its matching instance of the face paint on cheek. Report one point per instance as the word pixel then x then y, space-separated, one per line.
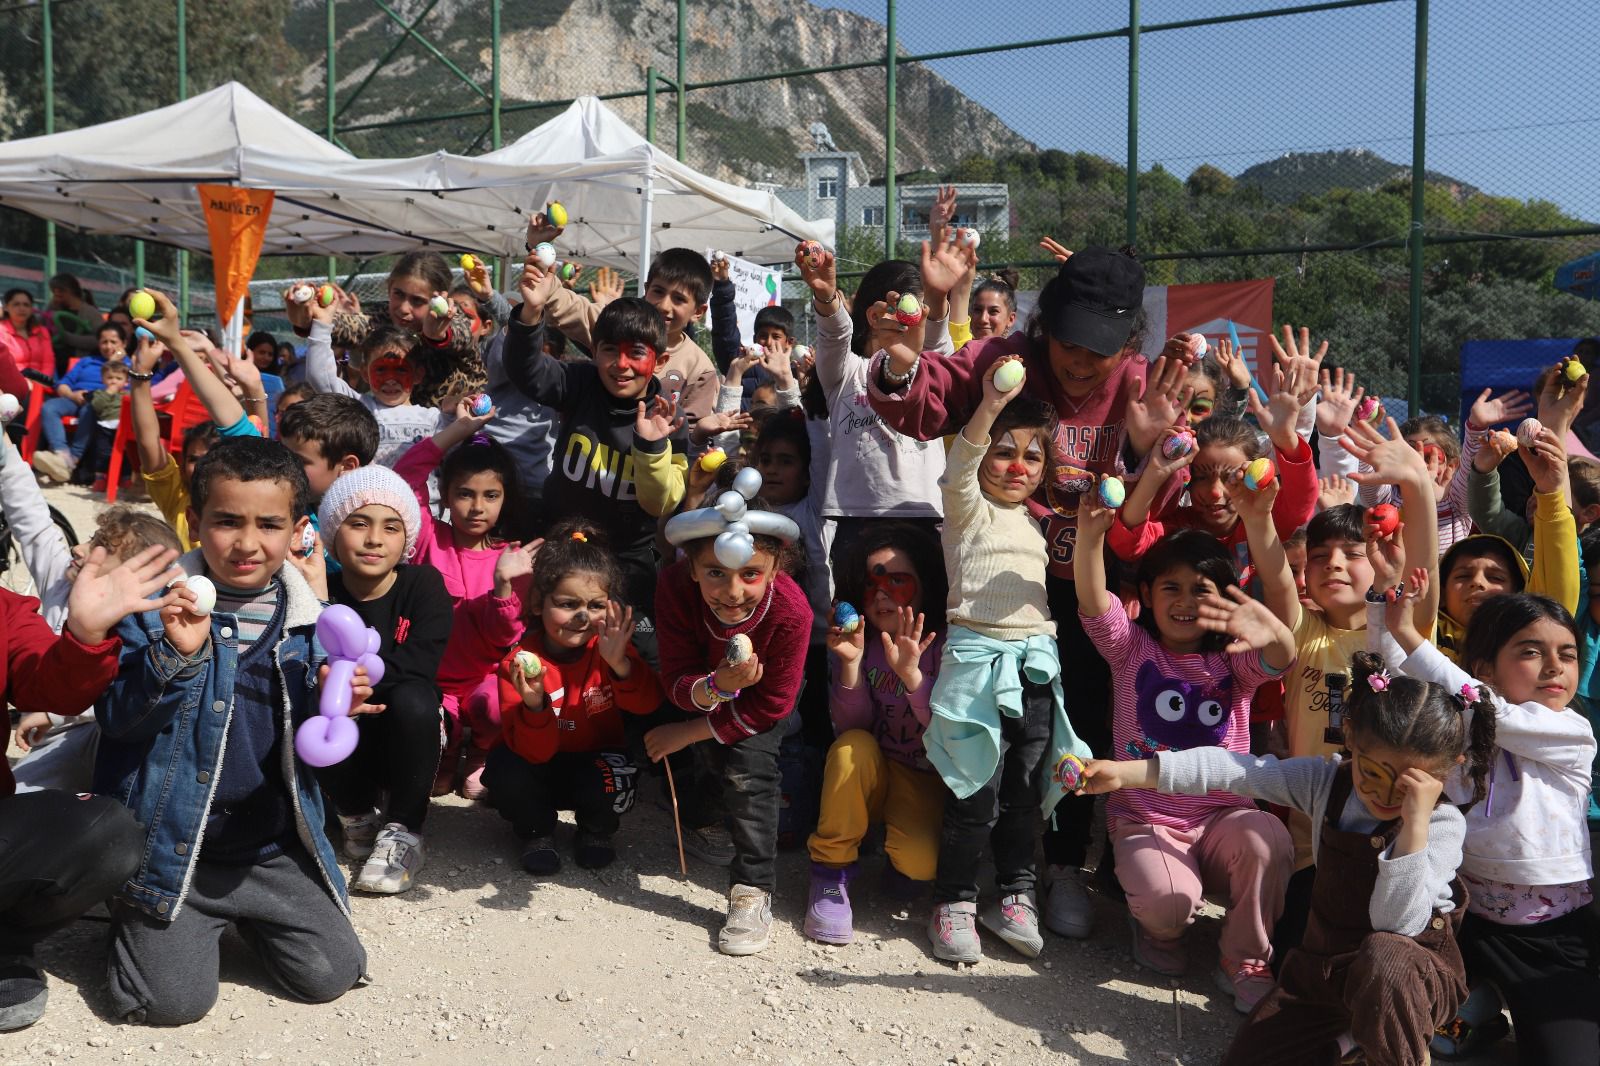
pixel 1381 779
pixel 901 588
pixel 639 358
pixel 389 368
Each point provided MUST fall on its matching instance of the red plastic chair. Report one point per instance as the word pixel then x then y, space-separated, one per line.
pixel 178 414
pixel 38 393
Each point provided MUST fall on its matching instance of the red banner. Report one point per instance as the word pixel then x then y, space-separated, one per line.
pixel 1209 309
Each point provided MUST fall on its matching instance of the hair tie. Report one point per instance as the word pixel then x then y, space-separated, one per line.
pixel 580 536
pixel 1471 693
pixel 1379 682
pixel 480 440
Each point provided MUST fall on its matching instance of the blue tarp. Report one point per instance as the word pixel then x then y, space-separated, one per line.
pixel 1502 365
pixel 1580 277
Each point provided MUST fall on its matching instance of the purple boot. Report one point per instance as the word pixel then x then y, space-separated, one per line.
pixel 828 917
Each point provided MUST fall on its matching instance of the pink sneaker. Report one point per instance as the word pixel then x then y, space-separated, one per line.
pixel 1169 958
pixel 472 785
pixel 1248 982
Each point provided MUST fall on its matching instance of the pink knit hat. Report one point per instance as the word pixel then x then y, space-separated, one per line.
pixel 366 485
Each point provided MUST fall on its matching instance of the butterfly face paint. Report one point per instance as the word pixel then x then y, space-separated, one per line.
pixel 390 373
pixel 900 587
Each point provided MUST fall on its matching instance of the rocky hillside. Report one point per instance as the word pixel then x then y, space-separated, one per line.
pixel 1289 177
pixel 556 49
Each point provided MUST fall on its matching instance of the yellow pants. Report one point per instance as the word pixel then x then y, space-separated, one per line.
pixel 860 785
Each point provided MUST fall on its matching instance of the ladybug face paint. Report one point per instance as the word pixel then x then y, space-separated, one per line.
pixel 899 586
pixel 390 370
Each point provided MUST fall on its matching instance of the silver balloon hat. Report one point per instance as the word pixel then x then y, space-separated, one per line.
pixel 732 522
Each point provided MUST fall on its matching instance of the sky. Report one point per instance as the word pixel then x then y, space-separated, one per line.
pixel 1512 105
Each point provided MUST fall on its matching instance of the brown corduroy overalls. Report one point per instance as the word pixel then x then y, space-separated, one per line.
pixel 1388 991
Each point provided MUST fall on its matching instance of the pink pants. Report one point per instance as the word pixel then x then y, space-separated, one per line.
pixel 1240 856
pixel 477 706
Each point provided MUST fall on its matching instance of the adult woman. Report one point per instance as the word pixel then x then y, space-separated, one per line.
pixel 24 337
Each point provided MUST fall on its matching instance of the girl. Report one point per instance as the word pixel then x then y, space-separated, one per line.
pixel 24 337
pixel 1527 863
pixel 1219 385
pixel 732 583
pixel 1178 683
pixel 1379 966
pixel 478 484
pixel 878 769
pixel 446 356
pixel 1223 446
pixel 562 745
pixel 373 523
pixel 990 310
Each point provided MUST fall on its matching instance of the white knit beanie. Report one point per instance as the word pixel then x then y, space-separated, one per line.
pixel 366 485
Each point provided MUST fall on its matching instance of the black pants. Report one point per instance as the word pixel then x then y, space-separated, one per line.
pixel 59 856
pixel 1086 677
pixel 1004 812
pixel 597 786
pixel 739 783
pixel 398 752
pixel 1547 975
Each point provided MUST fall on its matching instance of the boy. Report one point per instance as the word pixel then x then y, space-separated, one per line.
pixel 61 853
pixel 390 376
pixel 197 741
pixel 56 460
pixel 993 747
pixel 677 286
pixel 332 435
pixel 1338 580
pixel 600 404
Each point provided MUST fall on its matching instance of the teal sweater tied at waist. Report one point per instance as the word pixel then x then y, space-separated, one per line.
pixel 980 679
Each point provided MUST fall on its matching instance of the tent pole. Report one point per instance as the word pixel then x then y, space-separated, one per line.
pixel 47 32
pixel 683 74
pixel 646 208
pixel 891 195
pixel 1419 144
pixel 331 99
pixel 183 94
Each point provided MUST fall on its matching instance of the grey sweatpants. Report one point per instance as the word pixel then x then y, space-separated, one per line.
pixel 165 973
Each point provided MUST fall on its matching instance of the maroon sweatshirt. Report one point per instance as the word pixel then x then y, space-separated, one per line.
pixel 693 643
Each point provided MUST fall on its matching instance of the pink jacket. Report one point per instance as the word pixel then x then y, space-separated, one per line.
pixel 33 352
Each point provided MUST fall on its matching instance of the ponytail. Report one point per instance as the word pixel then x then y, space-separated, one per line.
pixel 1481 747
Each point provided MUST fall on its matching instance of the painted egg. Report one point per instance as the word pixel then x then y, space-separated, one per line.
pixel 302 294
pixel 531 665
pixel 1573 368
pixel 1503 442
pixel 142 305
pixel 1259 474
pixel 481 405
pixel 439 307
pixel 555 213
pixel 799 353
pixel 739 649
pixel 469 262
pixel 909 310
pixel 1069 771
pixel 10 407
pixel 971 238
pixel 1369 410
pixel 1198 346
pixel 567 271
pixel 325 296
pixel 1383 519
pixel 1010 375
pixel 1178 444
pixel 813 253
pixel 545 254
pixel 712 460
pixel 1112 491
pixel 205 594
pixel 847 618
pixel 140 333
pixel 1528 432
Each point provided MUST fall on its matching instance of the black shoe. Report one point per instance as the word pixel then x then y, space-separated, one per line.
pixel 540 856
pixel 593 851
pixel 22 992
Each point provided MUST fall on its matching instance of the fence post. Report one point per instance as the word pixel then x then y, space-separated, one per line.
pixel 683 75
pixel 1419 143
pixel 1133 122
pixel 650 104
pixel 891 208
pixel 183 94
pixel 494 71
pixel 331 97
pixel 47 34
pixel 138 266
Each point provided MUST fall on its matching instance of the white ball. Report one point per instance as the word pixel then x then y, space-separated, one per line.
pixel 302 294
pixel 10 407
pixel 205 594
pixel 545 253
pixel 731 506
pixel 747 483
pixel 971 238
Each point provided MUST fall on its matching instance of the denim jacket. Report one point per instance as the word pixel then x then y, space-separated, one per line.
pixel 164 721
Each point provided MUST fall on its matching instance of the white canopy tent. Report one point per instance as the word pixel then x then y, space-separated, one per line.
pixel 134 178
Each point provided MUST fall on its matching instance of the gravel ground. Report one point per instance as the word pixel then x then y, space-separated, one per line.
pixel 481 962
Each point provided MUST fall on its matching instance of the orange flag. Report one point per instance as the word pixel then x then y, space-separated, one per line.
pixel 237 222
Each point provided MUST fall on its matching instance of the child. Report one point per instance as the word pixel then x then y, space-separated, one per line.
pixel 1223 447
pixel 1219 384
pixel 445 356
pixel 478 484
pixel 390 375
pixel 62 853
pixel 731 583
pixel 56 460
pixel 1379 966
pixel 677 287
pixel 562 745
pixel 332 435
pixel 1179 684
pixel 993 306
pixel 1526 862
pixel 998 721
pixel 105 403
pixel 381 791
pixel 601 404
pixel 878 769
pixel 197 735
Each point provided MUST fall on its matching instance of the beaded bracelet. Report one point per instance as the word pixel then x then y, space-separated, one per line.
pixel 718 694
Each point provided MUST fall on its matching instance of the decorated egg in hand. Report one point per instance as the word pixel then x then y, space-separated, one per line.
pixel 969 238
pixel 812 251
pixel 544 253
pixel 10 407
pixel 1112 491
pixel 1503 442
pixel 142 334
pixel 1573 368
pixel 847 618
pixel 799 353
pixel 480 405
pixel 739 649
pixel 1010 375
pixel 1198 346
pixel 1528 432
pixel 555 213
pixel 1383 519
pixel 469 262
pixel 439 307
pixel 712 460
pixel 567 271
pixel 1178 444
pixel 1258 474
pixel 302 294
pixel 908 312
pixel 1369 410
pixel 205 594
pixel 142 305
pixel 531 665
pixel 1069 772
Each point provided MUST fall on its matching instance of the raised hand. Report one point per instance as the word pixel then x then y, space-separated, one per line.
pixel 616 631
pixel 469 422
pixel 716 422
pixel 1254 507
pixel 104 595
pixel 1231 360
pixel 1400 614
pixel 1560 400
pixel 943 210
pixel 1486 412
pixel 846 647
pixel 1334 491
pixel 822 278
pixel 1298 351
pixel 1094 519
pixel 1392 460
pixel 1060 251
pixel 478 278
pixel 657 420
pixel 1248 622
pixel 515 567
pixel 1340 396
pixel 888 333
pixel 992 393
pixel 720 268
pixel 606 286
pixel 533 285
pixel 1160 400
pixel 942 266
pixel 1285 383
pixel 775 360
pixel 904 648
pixel 1387 557
pixel 167 328
pixel 1546 462
pixel 186 631
pixel 541 230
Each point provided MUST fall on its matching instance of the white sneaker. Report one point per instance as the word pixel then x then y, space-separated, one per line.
pixel 396 857
pixel 1067 910
pixel 749 925
pixel 360 833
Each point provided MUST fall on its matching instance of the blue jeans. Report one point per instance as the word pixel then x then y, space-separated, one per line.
pixel 55 434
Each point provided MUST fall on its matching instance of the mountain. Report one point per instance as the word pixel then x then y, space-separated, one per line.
pixel 557 49
pixel 1297 174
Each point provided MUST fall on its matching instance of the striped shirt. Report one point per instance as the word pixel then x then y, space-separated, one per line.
pixel 253 608
pixel 1168 702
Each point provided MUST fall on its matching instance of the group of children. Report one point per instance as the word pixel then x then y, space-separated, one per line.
pixel 919 578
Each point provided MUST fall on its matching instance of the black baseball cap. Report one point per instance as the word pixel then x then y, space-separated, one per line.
pixel 1100 292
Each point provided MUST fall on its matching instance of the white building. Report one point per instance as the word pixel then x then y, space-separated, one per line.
pixel 836 186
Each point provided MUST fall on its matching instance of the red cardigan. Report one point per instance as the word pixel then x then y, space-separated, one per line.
pixel 582 706
pixel 40 671
pixel 693 643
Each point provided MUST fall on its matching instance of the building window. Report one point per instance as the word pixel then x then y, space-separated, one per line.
pixel 827 188
pixel 872 216
pixel 914 218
